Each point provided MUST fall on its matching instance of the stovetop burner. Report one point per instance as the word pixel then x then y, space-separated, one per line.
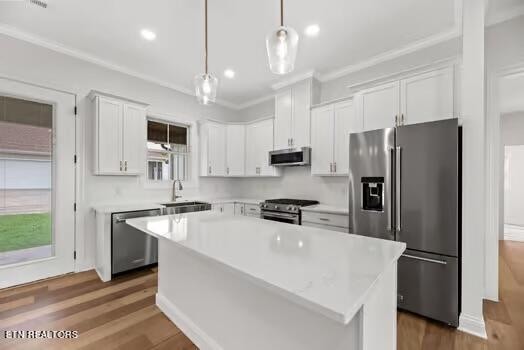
pixel 288 201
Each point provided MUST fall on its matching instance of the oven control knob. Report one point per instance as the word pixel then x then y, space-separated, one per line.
pixel 290 208
pixel 265 205
pixel 276 206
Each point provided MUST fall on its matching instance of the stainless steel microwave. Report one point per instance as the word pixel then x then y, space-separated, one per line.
pixel 290 157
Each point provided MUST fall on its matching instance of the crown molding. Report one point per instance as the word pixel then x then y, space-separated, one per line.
pixel 392 54
pixel 506 15
pixel 255 101
pixel 63 49
pixel 295 79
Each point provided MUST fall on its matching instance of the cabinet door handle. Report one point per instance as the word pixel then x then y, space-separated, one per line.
pixel 125 165
pixel 402 118
pixel 396 120
pixel 335 167
pixel 323 219
pixel 209 170
pixel 227 170
pixel 330 167
pixel 292 141
pixel 120 165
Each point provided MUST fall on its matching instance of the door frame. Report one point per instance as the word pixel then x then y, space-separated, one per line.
pixel 494 175
pixel 31 96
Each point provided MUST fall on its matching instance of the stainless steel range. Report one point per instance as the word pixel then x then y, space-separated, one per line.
pixel 284 210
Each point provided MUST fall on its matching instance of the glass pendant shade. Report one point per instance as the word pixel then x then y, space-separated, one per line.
pixel 206 88
pixel 282 45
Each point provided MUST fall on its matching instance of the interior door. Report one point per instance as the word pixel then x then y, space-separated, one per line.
pixel 283 119
pixel 379 106
pixel 300 136
pixel 109 124
pixel 235 149
pixel 427 97
pixel 322 125
pixel 345 122
pixel 49 228
pixel 134 138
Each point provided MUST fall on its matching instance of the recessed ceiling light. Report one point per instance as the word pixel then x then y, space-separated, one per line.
pixel 148 34
pixel 229 73
pixel 312 30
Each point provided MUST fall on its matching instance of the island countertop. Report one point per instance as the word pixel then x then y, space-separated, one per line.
pixel 326 271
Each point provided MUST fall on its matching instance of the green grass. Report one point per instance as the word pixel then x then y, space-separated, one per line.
pixel 20 231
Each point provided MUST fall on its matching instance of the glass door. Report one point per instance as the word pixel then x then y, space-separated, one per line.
pixel 37 183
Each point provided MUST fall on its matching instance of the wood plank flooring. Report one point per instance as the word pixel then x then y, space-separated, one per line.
pixel 121 314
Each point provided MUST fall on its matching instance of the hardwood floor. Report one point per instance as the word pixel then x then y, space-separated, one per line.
pixel 121 314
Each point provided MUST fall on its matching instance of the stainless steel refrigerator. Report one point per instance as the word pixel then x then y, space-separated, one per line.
pixel 404 185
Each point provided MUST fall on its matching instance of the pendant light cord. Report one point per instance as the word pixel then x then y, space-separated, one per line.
pixel 205 29
pixel 281 13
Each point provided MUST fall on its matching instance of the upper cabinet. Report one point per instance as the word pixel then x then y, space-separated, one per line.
pixel 427 97
pixel 259 141
pixel 236 150
pixel 292 115
pixel 213 146
pixel 120 135
pixel 330 129
pixel 379 106
pixel 420 98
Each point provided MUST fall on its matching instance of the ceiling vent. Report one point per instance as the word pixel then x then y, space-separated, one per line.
pixel 40 3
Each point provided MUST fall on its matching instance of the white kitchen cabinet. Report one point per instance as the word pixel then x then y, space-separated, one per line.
pixel 301 115
pixel 134 138
pixel 331 126
pixel 259 141
pixel 120 135
pixel 239 209
pixel 328 221
pixel 224 208
pixel 379 107
pixel 283 119
pixel 322 139
pixel 235 149
pixel 293 115
pixel 213 149
pixel 427 97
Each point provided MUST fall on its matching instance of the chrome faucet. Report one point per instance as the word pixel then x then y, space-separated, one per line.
pixel 175 188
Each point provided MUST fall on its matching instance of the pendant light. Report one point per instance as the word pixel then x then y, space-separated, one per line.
pixel 282 45
pixel 206 84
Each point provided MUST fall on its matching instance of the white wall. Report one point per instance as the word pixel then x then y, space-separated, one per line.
pixel 37 65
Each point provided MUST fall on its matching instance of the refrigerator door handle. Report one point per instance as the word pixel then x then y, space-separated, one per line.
pixel 398 179
pixel 390 214
pixel 441 262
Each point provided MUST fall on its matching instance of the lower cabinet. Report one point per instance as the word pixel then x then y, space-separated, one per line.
pixel 237 208
pixel 226 208
pixel 334 222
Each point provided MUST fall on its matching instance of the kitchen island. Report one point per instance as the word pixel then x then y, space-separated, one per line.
pixel 236 282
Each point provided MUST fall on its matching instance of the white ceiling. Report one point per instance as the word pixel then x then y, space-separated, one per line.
pixel 107 32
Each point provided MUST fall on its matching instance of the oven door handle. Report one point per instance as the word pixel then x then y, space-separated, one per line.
pixel 278 215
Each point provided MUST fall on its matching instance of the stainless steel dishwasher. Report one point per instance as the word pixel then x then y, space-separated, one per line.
pixel 131 248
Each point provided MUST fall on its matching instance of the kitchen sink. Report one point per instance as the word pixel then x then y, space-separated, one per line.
pixel 184 207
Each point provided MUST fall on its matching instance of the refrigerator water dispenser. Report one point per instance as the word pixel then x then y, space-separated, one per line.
pixel 372 193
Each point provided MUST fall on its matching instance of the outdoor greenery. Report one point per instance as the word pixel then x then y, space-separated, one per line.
pixel 20 231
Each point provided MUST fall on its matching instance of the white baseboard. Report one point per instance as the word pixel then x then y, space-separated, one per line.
pixel 472 325
pixel 202 340
pixel 513 233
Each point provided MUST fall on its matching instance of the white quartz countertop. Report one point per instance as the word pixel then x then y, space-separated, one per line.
pixel 329 209
pixel 145 205
pixel 326 271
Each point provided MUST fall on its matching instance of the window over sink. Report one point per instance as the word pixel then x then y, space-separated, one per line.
pixel 168 151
